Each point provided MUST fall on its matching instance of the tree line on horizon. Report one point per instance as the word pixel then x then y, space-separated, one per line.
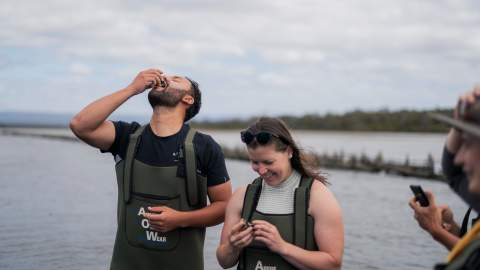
pixel 358 120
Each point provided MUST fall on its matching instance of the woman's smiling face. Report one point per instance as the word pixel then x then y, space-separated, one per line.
pixel 272 165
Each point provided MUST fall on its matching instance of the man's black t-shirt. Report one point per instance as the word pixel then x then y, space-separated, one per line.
pixel 165 151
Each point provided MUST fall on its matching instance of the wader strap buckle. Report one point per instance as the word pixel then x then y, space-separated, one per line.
pixel 129 158
pixel 191 169
pixel 302 198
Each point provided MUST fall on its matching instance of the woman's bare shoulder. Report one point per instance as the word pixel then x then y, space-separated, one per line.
pixel 236 201
pixel 322 199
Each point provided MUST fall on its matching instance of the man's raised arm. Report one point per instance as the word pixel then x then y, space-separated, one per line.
pixel 91 125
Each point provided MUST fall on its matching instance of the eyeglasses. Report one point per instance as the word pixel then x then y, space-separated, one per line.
pixel 261 137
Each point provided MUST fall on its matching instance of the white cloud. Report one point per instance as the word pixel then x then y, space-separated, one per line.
pixel 350 46
pixel 271 78
pixel 80 69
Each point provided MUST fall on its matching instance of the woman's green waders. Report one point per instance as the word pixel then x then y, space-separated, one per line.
pixel 137 247
pixel 296 228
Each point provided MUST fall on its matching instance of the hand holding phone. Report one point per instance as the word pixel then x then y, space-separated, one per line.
pixel 420 195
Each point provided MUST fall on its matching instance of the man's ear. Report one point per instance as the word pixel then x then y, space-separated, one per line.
pixel 188 99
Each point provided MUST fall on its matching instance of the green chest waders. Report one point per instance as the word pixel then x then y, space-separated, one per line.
pixel 140 186
pixel 296 228
pixel 469 259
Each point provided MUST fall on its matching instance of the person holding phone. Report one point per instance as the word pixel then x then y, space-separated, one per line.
pixel 461 166
pixel 437 220
pixel 286 218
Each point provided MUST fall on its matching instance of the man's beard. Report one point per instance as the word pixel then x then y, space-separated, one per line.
pixel 166 98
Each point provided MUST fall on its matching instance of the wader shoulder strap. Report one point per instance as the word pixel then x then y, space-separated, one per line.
pixel 250 200
pixel 129 158
pixel 302 198
pixel 191 169
pixel 466 218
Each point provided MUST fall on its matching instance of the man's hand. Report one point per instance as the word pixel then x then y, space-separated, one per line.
pixel 454 138
pixel 436 220
pixel 466 99
pixel 430 217
pixel 146 79
pixel 164 219
pixel 448 223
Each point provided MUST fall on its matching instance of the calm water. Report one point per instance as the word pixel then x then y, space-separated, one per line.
pixel 58 203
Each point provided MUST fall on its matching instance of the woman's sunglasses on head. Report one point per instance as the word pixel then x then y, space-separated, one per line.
pixel 262 137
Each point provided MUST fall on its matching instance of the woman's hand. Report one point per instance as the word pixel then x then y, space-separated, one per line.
pixel 268 234
pixel 241 235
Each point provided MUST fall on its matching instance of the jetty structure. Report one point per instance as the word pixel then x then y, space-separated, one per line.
pixel 337 160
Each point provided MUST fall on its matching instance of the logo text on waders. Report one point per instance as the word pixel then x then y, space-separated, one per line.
pixel 260 266
pixel 151 235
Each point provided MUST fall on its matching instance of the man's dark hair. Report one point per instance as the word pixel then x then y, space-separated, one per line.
pixel 197 103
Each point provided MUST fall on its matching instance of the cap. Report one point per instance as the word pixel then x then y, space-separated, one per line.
pixel 468 120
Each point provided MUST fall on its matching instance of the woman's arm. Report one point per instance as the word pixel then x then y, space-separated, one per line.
pixel 235 235
pixel 328 233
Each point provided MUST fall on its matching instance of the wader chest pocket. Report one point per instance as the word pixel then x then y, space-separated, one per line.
pixel 138 229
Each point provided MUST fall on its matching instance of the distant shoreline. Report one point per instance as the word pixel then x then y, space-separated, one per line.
pixel 353 121
pixel 9 125
pixel 46 132
pixel 209 127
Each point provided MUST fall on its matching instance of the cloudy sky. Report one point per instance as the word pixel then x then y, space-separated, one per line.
pixel 250 57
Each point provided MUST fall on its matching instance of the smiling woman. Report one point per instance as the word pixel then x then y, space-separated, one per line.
pixel 273 133
pixel 287 218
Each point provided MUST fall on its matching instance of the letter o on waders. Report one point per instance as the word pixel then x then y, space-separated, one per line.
pixel 145 223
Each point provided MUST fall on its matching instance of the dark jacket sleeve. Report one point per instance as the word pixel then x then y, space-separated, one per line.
pixel 458 180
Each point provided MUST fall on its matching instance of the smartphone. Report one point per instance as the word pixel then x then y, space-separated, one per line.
pixel 419 195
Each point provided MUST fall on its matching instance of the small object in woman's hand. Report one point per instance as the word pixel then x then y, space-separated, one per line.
pixel 246 225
